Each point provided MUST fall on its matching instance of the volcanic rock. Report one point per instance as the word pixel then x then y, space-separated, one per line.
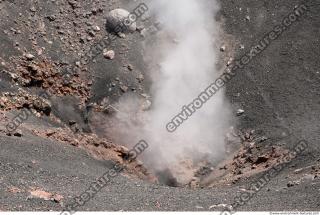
pixel 29 56
pixel 118 21
pixel 108 54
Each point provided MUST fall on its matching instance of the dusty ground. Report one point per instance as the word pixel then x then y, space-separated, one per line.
pixel 53 157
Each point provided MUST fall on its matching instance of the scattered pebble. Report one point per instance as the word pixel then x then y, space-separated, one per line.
pixel 41 194
pixel 122 35
pixel 229 62
pixel 309 177
pixel 17 133
pixel 96 28
pixel 109 54
pixel 130 67
pixel 33 9
pixel 223 48
pixel 57 198
pixel 293 183
pixel 124 89
pixel 146 105
pixel 220 206
pixel 117 18
pixel 240 112
pixel 298 170
pixel 29 56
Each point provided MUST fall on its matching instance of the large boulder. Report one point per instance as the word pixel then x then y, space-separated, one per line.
pixel 118 21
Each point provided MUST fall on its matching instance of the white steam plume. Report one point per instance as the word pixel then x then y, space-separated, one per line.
pixel 183 63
